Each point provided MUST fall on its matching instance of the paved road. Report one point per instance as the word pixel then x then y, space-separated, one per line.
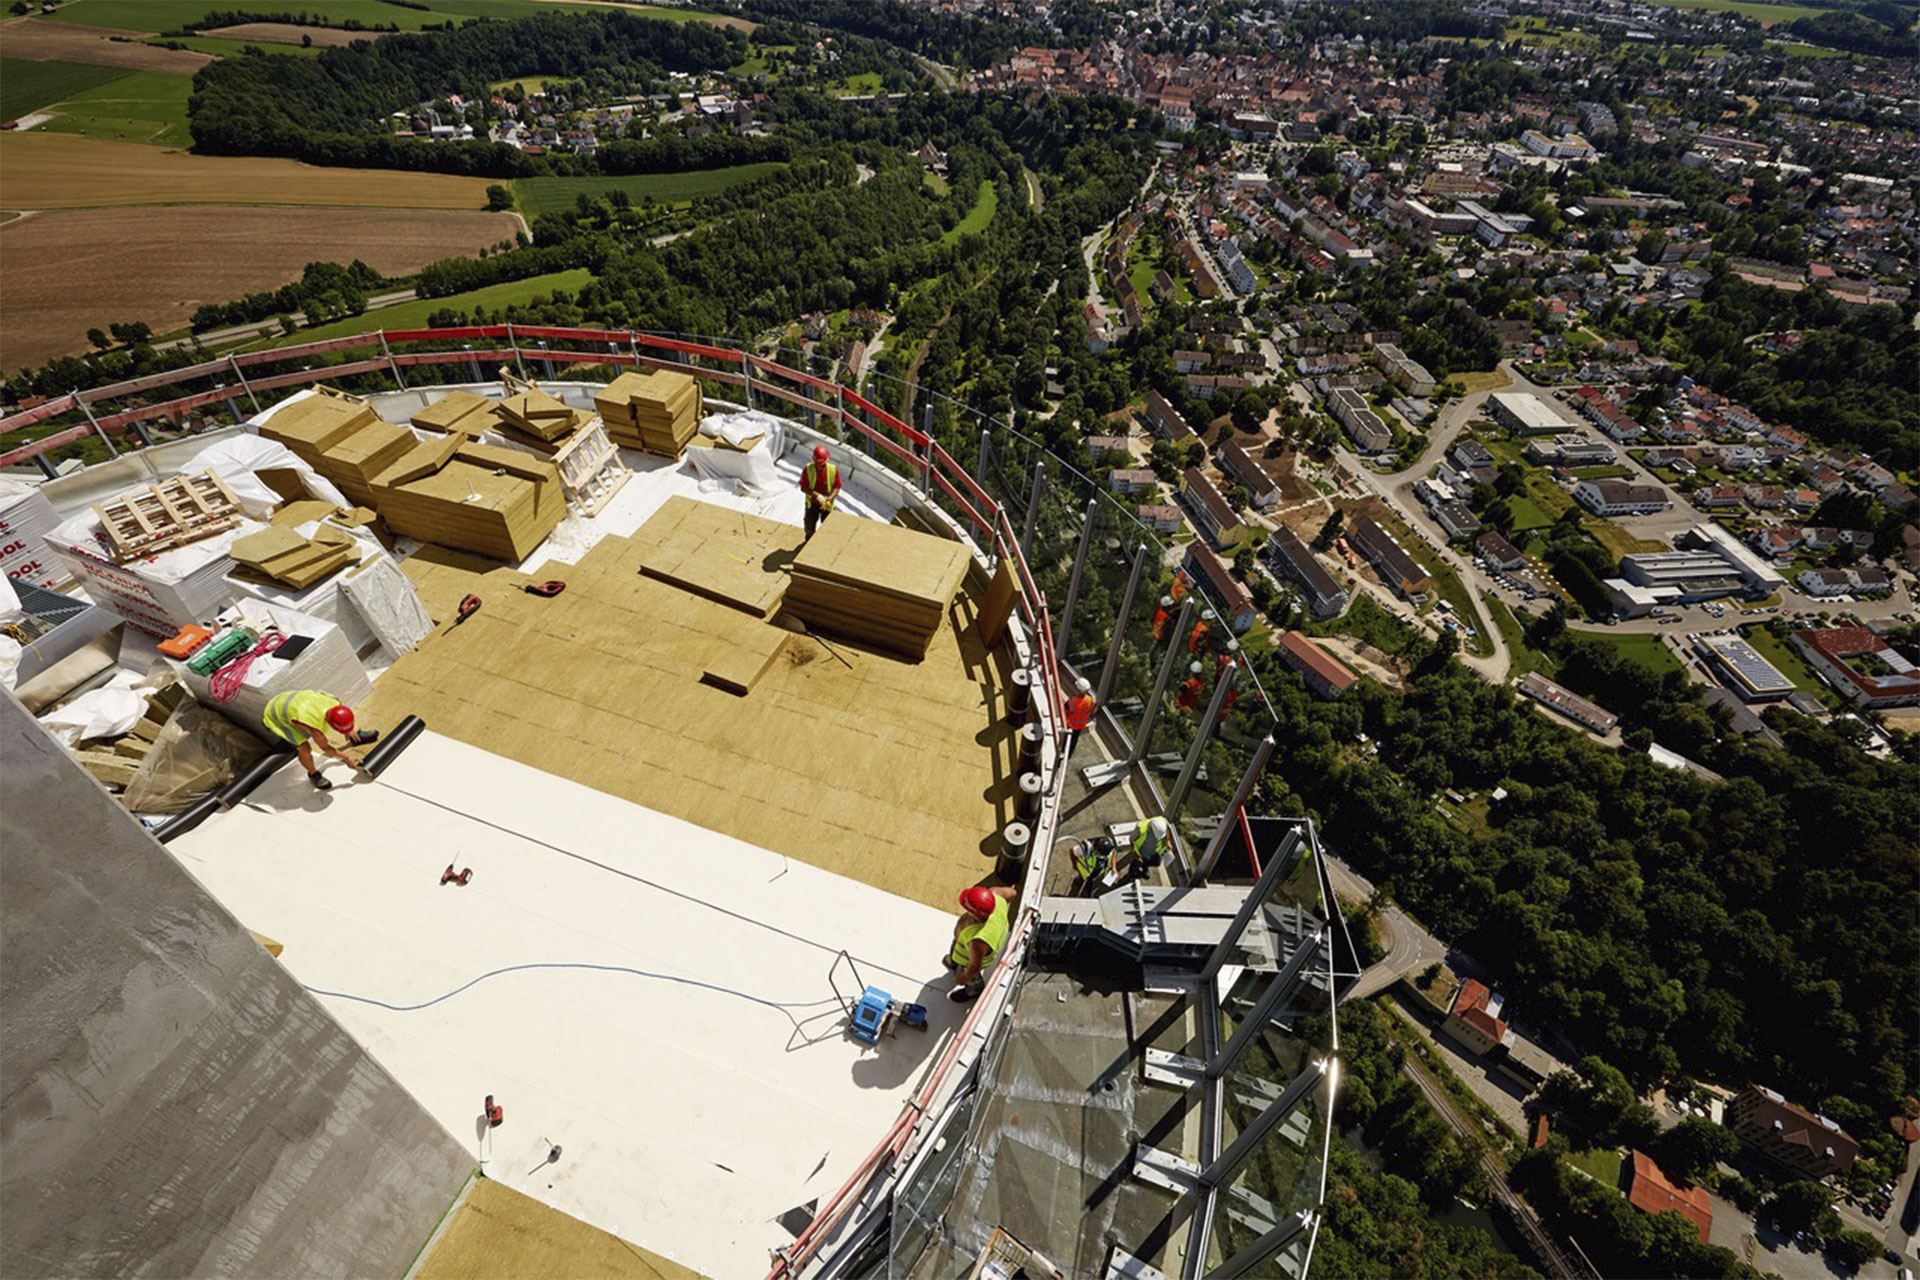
pixel 1409 947
pixel 248 332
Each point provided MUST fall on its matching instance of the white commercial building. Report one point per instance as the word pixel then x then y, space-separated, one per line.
pixel 1526 414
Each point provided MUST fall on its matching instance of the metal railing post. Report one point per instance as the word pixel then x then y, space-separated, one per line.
pixel 1120 623
pixel 980 460
pixel 1177 798
pixel 1278 988
pixel 1229 1161
pixel 1261 755
pixel 393 366
pixel 519 366
pixel 1065 634
pixel 1165 678
pixel 746 376
pixel 546 361
pixel 95 424
pixel 473 362
pixel 1033 511
pixel 1270 875
pixel 245 386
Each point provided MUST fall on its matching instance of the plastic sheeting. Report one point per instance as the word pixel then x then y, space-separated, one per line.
pixel 237 458
pixel 384 598
pixel 198 752
pixel 99 713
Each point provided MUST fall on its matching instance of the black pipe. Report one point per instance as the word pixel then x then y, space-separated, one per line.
pixel 181 823
pixel 263 768
pixel 382 756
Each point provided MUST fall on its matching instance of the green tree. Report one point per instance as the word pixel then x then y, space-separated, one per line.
pixel 1694 1146
pixel 499 198
pixel 1801 1206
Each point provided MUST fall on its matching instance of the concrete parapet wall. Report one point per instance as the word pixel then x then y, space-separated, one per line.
pixel 172 1102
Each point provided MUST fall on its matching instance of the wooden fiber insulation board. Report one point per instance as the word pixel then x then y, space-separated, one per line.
pixel 423 459
pixel 899 775
pixel 458 411
pixel 467 505
pixel 311 426
pixel 538 414
pixel 726 556
pixel 497 1233
pixel 281 555
pixel 886 562
pixel 737 668
pixel 301 511
pixel 360 456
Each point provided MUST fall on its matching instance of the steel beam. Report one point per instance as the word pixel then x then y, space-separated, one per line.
pixel 1270 876
pixel 1261 755
pixel 1202 732
pixel 1120 623
pixel 1065 633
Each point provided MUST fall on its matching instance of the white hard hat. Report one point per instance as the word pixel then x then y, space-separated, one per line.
pixel 1083 684
pixel 1166 601
pixel 1158 826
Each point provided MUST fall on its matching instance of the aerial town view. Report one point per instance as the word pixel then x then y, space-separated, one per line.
pixel 989 639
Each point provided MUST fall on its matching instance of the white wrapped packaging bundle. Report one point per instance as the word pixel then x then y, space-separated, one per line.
pixel 328 664
pixel 26 518
pixel 158 594
pixel 236 459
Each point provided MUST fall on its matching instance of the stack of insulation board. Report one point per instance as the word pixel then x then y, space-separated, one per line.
pixel 726 556
pixel 878 585
pixel 533 416
pixel 457 411
pixel 358 458
pixel 311 424
pixel 655 412
pixel 113 762
pixel 487 499
pixel 280 555
pixel 26 518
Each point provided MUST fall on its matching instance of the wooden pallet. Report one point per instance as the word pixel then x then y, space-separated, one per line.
pixel 590 470
pixel 170 514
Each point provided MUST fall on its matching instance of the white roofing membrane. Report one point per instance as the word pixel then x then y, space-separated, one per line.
pixel 688 1116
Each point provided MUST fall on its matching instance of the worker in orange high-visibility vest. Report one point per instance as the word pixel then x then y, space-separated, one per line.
pixel 1160 617
pixel 1080 709
pixel 1179 591
pixel 1197 640
pixel 1188 698
pixel 819 485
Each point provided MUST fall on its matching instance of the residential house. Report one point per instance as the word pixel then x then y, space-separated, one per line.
pixel 1809 1144
pixel 1211 513
pixel 1456 519
pixel 1400 571
pixel 1326 677
pixel 1650 1190
pixel 1232 600
pixel 1159 517
pixel 1364 427
pixel 1132 480
pixel 1861 666
pixel 1474 1019
pixel 1411 376
pixel 1294 560
pixel 1250 473
pixel 1166 422
pixel 1569 704
pixel 1500 553
pixel 1620 497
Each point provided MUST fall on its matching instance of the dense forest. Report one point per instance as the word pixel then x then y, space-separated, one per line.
pixel 963 41
pixel 1762 928
pixel 333 109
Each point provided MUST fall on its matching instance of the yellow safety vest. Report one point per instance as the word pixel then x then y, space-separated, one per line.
pixel 1087 862
pixel 992 931
pixel 1143 839
pixel 820 489
pixel 286 713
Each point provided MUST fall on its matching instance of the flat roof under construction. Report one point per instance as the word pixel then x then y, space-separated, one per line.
pixel 603 977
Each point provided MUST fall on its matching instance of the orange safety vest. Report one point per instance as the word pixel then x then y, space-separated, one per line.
pixel 1190 693
pixel 1079 711
pixel 820 487
pixel 1159 624
pixel 1198 640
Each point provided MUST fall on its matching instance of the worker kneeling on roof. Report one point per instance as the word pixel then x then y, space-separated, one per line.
pixel 820 483
pixel 1095 862
pixel 1152 842
pixel 979 936
pixel 303 718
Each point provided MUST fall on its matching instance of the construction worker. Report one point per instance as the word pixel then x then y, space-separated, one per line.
pixel 1160 616
pixel 986 918
pixel 1191 690
pixel 1197 639
pixel 303 718
pixel 820 484
pixel 1093 861
pixel 1080 708
pixel 1152 842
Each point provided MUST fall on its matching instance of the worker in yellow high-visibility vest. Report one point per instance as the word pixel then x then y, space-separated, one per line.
pixel 303 717
pixel 819 485
pixel 1152 842
pixel 979 935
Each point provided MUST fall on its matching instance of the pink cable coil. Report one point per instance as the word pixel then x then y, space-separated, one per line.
pixel 224 685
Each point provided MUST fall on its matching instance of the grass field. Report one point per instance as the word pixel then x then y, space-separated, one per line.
pixel 43 40
pixel 939 185
pixel 1765 14
pixel 1616 540
pixel 1525 657
pixel 46 171
pixel 1614 472
pixel 1491 380
pixel 984 207
pixel 1527 514
pixel 548 195
pixel 413 315
pixel 1794 49
pixel 1647 650
pixel 862 82
pixel 72 269
pixel 221 48
pixel 147 107
pixel 1602 1166
pixel 25 86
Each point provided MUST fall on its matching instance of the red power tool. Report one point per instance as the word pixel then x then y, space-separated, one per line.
pixel 468 607
pixel 547 589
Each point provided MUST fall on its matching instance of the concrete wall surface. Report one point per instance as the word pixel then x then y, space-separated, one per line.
pixel 172 1103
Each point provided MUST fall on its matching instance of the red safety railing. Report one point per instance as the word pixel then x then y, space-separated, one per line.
pixel 928 465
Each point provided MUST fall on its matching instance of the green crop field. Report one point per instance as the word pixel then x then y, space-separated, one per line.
pixel 550 195
pixel 1765 14
pixel 413 315
pixel 167 15
pixel 984 207
pixel 146 106
pixel 25 86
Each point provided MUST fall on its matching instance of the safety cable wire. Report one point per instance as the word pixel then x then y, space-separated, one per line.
pixel 651 884
pixel 784 1006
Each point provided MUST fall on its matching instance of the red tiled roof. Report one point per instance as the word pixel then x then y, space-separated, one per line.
pixel 1470 1006
pixel 1652 1192
pixel 1310 655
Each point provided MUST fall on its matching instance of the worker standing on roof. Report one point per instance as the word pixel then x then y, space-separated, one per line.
pixel 1197 639
pixel 1152 841
pixel 820 484
pixel 1080 708
pixel 303 717
pixel 1191 690
pixel 1095 863
pixel 986 918
pixel 1160 616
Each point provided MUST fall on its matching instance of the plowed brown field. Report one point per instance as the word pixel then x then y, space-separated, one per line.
pixel 37 40
pixel 74 269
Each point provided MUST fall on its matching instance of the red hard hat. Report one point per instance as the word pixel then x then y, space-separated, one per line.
pixel 819 453
pixel 978 901
pixel 341 718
